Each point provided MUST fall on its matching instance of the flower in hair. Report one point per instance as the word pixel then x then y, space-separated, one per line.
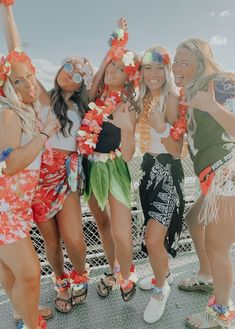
pixel 118 38
pixel 16 55
pixel 8 2
pixel 156 56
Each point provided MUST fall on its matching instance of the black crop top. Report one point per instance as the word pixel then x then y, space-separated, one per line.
pixel 109 138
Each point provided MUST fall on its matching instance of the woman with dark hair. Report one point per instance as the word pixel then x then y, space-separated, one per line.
pixel 56 204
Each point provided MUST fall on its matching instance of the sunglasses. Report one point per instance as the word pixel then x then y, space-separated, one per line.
pixel 69 68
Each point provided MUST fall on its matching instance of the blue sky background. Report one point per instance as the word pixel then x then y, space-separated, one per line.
pixel 55 28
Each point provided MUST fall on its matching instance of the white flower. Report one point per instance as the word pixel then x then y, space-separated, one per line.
pixel 120 33
pixel 92 105
pixel 103 157
pixel 3 165
pixel 128 58
pixel 81 133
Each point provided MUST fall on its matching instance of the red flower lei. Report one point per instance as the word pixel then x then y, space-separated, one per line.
pixel 88 133
pixel 180 125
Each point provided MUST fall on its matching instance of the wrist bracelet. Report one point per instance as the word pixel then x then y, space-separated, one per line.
pixel 166 132
pixel 42 133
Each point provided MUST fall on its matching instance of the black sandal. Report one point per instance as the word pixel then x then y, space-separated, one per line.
pixel 127 296
pixel 103 289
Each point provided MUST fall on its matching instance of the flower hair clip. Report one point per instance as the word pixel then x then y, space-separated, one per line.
pixel 156 56
pixel 132 66
pixel 118 38
pixel 7 2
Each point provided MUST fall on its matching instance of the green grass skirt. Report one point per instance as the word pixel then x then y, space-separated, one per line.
pixel 107 177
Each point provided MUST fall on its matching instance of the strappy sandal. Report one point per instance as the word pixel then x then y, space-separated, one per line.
pixel 41 309
pixel 67 304
pixel 104 289
pixel 128 295
pixel 61 285
pixel 196 283
pixel 79 287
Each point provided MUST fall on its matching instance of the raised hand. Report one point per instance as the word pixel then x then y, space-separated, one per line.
pixel 204 100
pixel 51 125
pixel 122 24
pixel 122 118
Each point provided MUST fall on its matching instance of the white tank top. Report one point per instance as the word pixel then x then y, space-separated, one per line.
pixel 68 143
pixel 35 165
pixel 155 145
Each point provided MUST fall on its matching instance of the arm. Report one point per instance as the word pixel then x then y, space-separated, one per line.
pixel 10 136
pixel 122 26
pixel 126 121
pixel 172 146
pixel 10 29
pixel 205 101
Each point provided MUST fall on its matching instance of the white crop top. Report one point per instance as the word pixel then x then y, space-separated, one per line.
pixel 155 145
pixel 68 143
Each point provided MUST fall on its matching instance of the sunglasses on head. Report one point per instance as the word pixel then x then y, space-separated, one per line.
pixel 69 68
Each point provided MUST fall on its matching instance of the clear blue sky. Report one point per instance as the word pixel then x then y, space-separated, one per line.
pixel 56 28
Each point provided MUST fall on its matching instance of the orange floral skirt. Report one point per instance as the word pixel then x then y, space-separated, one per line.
pixel 16 195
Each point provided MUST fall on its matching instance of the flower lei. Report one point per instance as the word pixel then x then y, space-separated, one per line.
pixel 7 2
pixel 180 125
pixel 16 55
pixel 117 42
pixel 156 56
pixel 88 133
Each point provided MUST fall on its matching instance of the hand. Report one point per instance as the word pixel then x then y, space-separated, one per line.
pixel 157 121
pixel 122 118
pixel 204 100
pixel 51 125
pixel 122 24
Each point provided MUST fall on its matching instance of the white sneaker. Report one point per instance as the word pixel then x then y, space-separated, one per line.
pixel 155 308
pixel 148 282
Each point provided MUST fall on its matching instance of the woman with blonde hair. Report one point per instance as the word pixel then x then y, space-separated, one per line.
pixel 56 204
pixel 162 174
pixel 209 94
pixel 22 139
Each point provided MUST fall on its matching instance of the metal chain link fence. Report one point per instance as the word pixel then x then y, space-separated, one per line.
pixel 95 254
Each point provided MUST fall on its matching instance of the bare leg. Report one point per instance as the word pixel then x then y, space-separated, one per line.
pixel 121 230
pixel 219 239
pixel 54 253
pixel 26 270
pixel 154 237
pixel 69 221
pixel 102 219
pixel 197 232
